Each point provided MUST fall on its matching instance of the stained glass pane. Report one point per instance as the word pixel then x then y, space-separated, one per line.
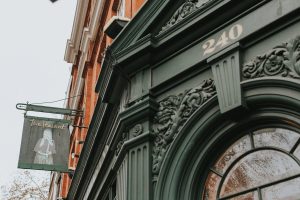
pixel 258 168
pixel 276 137
pixel 289 190
pixel 211 186
pixel 248 196
pixel 233 152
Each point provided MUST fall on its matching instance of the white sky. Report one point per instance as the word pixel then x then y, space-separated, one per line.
pixel 33 37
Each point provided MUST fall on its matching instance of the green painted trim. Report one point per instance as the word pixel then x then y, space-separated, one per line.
pixel 272 82
pixel 139 172
pixel 59 168
pixel 185 165
pixel 163 49
pixel 142 21
pixel 97 133
pixel 225 67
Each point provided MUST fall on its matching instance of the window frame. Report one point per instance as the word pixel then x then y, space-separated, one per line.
pixel 250 132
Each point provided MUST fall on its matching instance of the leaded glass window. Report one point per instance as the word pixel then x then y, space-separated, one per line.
pixel 262 165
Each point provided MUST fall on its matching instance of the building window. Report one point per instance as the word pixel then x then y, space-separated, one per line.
pixel 263 165
pixel 121 9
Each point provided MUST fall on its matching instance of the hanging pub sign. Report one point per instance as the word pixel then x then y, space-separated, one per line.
pixel 45 144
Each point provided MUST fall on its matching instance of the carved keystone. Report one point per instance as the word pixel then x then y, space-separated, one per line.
pixel 226 71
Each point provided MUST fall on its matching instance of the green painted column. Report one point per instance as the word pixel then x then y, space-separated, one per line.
pixel 139 173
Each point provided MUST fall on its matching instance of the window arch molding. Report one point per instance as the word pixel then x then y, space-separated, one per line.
pixel 184 169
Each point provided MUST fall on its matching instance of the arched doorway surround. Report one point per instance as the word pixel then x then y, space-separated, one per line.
pixel 271 102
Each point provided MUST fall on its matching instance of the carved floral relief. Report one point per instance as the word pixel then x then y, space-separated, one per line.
pixel 187 8
pixel 283 60
pixel 173 112
pixel 136 131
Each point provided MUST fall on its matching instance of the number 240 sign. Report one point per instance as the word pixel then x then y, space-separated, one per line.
pixel 234 33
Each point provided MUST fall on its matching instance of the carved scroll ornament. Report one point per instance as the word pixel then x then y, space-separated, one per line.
pixel 283 60
pixel 120 143
pixel 136 131
pixel 189 7
pixel 173 113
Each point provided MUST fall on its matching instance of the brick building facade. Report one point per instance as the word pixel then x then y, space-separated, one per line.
pixel 85 50
pixel 198 99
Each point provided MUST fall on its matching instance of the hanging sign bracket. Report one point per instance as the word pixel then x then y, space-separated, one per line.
pixel 46 109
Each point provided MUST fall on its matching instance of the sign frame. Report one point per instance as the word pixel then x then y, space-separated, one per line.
pixel 29 142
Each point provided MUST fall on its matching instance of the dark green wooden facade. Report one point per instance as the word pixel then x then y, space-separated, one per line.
pixel 181 83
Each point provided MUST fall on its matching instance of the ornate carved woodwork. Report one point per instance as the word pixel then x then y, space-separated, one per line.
pixel 173 112
pixel 187 8
pixel 120 143
pixel 226 73
pixel 137 130
pixel 283 60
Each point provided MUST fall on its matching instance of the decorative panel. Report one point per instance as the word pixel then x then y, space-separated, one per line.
pixel 226 72
pixel 122 180
pixel 172 114
pixel 186 9
pixel 139 173
pixel 283 60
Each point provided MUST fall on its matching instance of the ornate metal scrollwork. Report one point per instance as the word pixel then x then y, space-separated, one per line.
pixel 189 7
pixel 282 60
pixel 173 113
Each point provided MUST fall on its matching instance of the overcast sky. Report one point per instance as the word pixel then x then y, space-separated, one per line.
pixel 32 44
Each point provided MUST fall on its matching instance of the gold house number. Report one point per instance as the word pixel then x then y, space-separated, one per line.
pixel 234 33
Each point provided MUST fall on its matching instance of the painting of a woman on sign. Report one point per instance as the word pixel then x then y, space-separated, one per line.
pixel 45 148
pixel 45 144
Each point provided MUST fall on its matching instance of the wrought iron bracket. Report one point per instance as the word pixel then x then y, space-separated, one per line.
pixel 46 109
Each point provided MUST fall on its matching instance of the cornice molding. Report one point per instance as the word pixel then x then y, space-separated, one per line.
pixel 74 42
pixel 88 34
pixel 141 21
pixel 162 47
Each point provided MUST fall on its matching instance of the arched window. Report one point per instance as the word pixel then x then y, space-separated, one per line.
pixel 262 165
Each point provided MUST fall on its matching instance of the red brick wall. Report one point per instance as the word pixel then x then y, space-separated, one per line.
pixel 90 75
